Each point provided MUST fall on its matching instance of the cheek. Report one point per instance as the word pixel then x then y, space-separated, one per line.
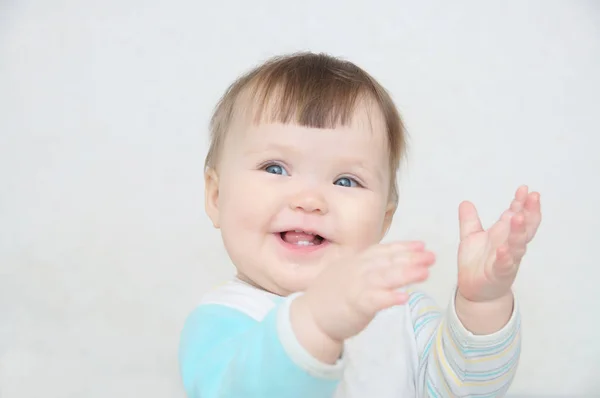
pixel 362 220
pixel 244 204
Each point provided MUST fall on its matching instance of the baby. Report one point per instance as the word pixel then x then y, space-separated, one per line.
pixel 301 181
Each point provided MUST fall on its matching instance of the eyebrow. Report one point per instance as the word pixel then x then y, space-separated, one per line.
pixel 272 147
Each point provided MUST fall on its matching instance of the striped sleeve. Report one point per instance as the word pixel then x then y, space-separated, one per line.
pixel 453 362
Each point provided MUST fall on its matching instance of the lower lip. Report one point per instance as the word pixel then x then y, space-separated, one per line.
pixel 301 248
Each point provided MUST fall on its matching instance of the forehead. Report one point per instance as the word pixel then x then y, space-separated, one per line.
pixel 364 131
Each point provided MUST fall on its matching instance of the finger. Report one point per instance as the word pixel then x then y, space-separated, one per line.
pixel 400 276
pixel 519 199
pixel 533 202
pixel 521 193
pixel 468 219
pixel 517 227
pixel 533 214
pixel 401 246
pixel 501 229
pixel 517 203
pixel 504 265
pixel 410 259
pixel 512 230
pixel 374 264
pixel 386 254
pixel 424 258
pixel 374 253
pixel 395 271
pixel 517 239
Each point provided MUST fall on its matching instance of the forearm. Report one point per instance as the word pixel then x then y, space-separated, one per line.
pixel 453 361
pixel 485 317
pixel 310 335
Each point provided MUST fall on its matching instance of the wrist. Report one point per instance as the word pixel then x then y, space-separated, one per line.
pixel 310 335
pixel 484 317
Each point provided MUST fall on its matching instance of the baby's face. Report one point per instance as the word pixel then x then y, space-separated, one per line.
pixel 290 200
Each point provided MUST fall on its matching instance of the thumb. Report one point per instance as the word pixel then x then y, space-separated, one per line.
pixel 468 219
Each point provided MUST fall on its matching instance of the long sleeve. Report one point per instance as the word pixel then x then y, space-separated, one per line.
pixel 227 354
pixel 456 363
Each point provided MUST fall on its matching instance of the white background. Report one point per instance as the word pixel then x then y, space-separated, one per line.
pixel 104 105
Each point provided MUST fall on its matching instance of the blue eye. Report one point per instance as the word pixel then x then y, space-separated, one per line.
pixel 276 169
pixel 347 182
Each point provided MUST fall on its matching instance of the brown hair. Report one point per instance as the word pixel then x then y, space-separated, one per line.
pixel 311 90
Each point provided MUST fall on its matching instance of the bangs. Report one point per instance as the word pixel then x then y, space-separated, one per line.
pixel 310 94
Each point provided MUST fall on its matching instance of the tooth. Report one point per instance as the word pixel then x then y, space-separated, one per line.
pixel 304 243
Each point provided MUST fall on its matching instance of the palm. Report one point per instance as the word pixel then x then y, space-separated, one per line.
pixel 488 260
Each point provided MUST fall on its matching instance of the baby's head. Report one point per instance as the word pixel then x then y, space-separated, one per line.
pixel 301 168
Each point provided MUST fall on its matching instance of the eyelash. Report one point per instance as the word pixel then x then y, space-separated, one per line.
pixel 265 166
pixel 352 179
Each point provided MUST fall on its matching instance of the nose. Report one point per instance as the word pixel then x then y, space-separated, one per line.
pixel 309 202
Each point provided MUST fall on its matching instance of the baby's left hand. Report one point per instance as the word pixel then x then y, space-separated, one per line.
pixel 488 261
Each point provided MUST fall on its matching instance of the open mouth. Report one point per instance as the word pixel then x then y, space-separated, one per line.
pixel 301 238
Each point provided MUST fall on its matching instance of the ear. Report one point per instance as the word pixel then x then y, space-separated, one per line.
pixel 211 195
pixel 388 217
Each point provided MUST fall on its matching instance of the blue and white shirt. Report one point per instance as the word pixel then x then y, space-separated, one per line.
pixel 239 343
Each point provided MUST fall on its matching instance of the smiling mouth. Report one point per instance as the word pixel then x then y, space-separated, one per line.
pixel 301 238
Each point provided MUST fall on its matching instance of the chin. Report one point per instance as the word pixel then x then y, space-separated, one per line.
pixel 283 278
pixel 282 268
pixel 296 277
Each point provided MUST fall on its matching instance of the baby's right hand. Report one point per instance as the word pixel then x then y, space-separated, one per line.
pixel 347 295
